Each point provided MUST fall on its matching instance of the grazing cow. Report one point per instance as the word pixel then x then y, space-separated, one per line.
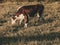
pixel 25 12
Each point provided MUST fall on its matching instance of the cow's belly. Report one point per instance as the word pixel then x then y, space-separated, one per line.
pixel 32 14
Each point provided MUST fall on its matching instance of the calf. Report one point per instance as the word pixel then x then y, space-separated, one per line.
pixel 25 12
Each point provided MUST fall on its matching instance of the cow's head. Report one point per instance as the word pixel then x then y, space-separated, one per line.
pixel 20 18
pixel 13 20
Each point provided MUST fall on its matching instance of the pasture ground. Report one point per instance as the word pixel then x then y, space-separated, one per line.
pixel 44 33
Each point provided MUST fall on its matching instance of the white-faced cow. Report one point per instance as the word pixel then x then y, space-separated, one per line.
pixel 25 12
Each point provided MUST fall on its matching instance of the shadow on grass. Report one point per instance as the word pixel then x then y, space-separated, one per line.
pixel 50 36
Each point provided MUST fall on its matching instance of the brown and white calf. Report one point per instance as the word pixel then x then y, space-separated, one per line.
pixel 25 12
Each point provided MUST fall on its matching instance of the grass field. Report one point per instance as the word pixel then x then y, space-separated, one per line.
pixel 45 33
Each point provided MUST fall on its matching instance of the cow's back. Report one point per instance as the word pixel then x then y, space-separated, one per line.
pixel 30 9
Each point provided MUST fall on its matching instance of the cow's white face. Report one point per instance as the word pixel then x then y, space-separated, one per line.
pixel 13 21
pixel 20 18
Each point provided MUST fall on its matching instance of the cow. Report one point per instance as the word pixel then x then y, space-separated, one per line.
pixel 25 12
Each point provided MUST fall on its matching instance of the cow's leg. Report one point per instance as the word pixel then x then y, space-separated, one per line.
pixel 38 15
pixel 41 15
pixel 25 21
pixel 21 17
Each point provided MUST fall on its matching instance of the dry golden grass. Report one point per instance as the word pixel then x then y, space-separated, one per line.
pixel 45 33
